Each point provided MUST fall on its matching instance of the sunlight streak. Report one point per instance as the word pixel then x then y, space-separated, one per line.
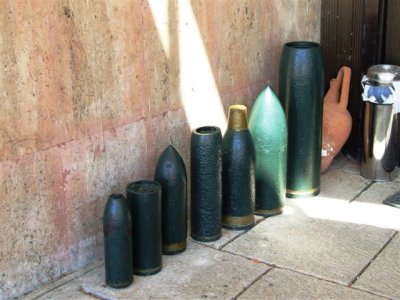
pixel 200 97
pixel 159 9
pixel 333 209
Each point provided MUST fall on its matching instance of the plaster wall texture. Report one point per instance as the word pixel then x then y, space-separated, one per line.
pixel 91 92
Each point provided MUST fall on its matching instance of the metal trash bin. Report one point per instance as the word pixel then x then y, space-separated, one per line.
pixel 381 124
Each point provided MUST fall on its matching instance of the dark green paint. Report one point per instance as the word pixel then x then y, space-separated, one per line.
pixel 238 177
pixel 206 183
pixel 117 229
pixel 144 200
pixel 267 125
pixel 171 174
pixel 301 90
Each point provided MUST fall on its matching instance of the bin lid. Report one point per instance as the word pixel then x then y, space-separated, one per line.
pixel 384 73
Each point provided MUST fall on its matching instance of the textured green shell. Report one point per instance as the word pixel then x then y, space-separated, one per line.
pixel 301 87
pixel 268 128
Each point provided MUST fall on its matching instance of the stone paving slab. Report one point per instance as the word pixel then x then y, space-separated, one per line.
pixel 379 191
pixel 369 208
pixel 357 212
pixel 327 249
pixel 284 284
pixel 199 272
pixel 340 185
pixel 69 291
pixel 383 275
pixel 227 236
pixel 346 165
pixel 65 286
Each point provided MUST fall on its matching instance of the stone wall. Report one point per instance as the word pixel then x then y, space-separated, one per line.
pixel 91 92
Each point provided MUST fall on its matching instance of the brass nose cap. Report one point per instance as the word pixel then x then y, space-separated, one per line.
pixel 237 119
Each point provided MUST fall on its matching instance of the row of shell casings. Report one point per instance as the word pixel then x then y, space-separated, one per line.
pixel 132 233
pixel 225 178
pixel 222 177
pixel 149 222
pixel 152 220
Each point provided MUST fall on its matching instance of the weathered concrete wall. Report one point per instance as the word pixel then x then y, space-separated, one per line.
pixel 92 91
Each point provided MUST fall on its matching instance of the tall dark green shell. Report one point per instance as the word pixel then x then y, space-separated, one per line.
pixel 117 229
pixel 144 200
pixel 206 183
pixel 267 125
pixel 171 174
pixel 238 179
pixel 301 90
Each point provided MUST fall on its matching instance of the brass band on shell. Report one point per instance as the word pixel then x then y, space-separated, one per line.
pixel 174 247
pixel 266 212
pixel 237 117
pixel 303 192
pixel 234 222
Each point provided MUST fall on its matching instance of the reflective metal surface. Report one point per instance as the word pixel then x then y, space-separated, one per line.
pixel 384 74
pixel 380 152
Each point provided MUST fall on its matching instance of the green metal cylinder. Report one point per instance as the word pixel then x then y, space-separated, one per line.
pixel 238 172
pixel 206 183
pixel 171 174
pixel 301 90
pixel 268 127
pixel 144 200
pixel 117 229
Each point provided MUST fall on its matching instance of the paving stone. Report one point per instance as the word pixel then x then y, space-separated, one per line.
pixel 65 288
pixel 342 185
pixel 227 236
pixel 68 291
pixel 345 164
pixel 368 208
pixel 382 276
pixel 397 179
pixel 356 212
pixel 378 192
pixel 199 272
pixel 333 250
pixel 285 284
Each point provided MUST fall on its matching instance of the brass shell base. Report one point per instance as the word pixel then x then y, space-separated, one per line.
pixel 269 212
pixel 172 249
pixel 238 223
pixel 302 194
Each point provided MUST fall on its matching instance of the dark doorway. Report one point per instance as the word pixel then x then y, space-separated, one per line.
pixel 358 34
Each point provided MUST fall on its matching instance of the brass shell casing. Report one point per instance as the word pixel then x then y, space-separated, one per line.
pixel 302 193
pixel 269 212
pixel 238 222
pixel 237 119
pixel 175 248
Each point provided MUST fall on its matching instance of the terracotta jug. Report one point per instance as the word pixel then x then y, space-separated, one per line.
pixel 336 122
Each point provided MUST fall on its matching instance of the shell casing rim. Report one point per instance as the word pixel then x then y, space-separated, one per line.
pixel 235 222
pixel 309 192
pixel 174 247
pixel 274 211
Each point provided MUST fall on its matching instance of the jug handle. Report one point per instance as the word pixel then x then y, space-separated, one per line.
pixel 345 74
